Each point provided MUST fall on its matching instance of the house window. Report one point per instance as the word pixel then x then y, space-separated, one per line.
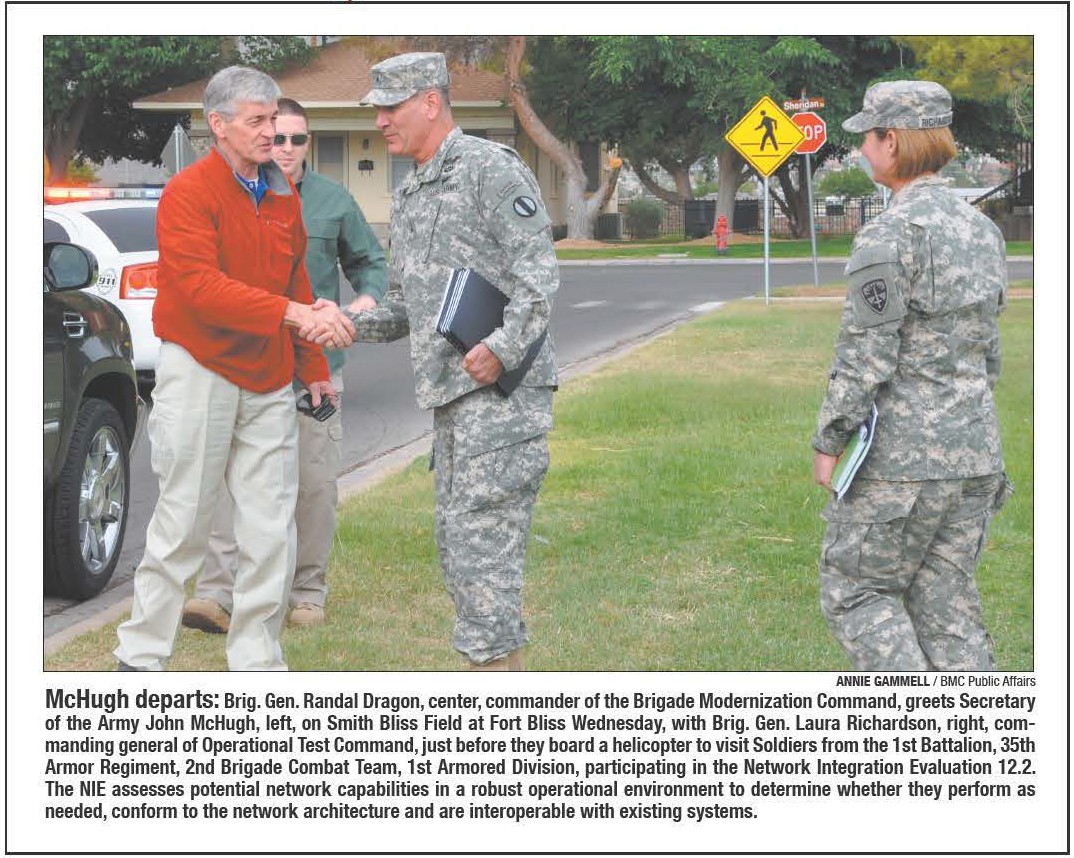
pixel 399 168
pixel 332 156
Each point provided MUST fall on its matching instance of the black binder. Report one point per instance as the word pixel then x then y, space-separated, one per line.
pixel 472 309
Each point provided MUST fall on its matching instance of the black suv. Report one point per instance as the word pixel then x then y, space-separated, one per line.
pixel 92 416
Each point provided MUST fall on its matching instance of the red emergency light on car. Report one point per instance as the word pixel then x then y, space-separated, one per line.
pixel 55 194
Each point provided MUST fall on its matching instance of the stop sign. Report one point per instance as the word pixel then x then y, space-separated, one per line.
pixel 815 130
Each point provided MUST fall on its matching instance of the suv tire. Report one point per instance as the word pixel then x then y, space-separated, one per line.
pixel 87 514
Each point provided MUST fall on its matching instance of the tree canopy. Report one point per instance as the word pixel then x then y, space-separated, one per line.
pixel 850 182
pixel 990 72
pixel 664 101
pixel 651 96
pixel 667 101
pixel 97 77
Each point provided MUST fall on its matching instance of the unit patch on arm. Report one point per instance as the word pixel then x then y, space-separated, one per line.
pixel 522 211
pixel 875 291
pixel 525 206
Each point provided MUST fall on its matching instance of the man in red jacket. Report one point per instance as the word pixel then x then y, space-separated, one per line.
pixel 235 317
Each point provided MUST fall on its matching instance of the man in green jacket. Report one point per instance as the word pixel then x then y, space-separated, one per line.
pixel 337 232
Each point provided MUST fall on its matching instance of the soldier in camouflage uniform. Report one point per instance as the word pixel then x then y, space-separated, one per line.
pixel 470 203
pixel 919 338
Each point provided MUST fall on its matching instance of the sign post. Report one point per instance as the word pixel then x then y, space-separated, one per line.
pixel 178 151
pixel 767 271
pixel 816 133
pixel 812 225
pixel 765 137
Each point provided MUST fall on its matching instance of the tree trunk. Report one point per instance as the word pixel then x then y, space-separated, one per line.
pixel 609 179
pixel 733 172
pixel 62 139
pixel 650 184
pixel 796 207
pixel 581 212
pixel 787 202
pixel 680 175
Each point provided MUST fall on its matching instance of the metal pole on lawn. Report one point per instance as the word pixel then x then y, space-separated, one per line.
pixel 812 226
pixel 177 142
pixel 766 290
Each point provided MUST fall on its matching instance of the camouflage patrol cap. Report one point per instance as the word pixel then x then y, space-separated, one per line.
pixel 397 78
pixel 902 104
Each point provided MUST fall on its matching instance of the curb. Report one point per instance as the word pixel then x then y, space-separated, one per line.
pixel 752 260
pixel 678 260
pixel 57 640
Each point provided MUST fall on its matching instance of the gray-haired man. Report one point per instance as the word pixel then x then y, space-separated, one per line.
pixel 339 239
pixel 470 203
pixel 233 307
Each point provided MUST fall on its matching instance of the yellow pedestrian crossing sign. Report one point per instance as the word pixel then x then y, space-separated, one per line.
pixel 765 137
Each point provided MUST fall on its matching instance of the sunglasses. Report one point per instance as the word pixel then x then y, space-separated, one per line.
pixel 296 139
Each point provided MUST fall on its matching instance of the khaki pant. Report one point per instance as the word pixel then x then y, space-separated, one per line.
pixel 208 435
pixel 897 573
pixel 320 454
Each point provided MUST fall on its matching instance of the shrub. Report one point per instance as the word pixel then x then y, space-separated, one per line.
pixel 851 182
pixel 997 207
pixel 643 218
pixel 80 172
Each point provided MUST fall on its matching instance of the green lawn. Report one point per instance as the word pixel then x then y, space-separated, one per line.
pixel 678 528
pixel 753 248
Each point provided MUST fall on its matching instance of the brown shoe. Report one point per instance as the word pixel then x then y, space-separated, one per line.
pixel 307 614
pixel 207 615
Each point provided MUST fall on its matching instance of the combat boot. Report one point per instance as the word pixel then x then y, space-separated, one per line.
pixel 514 660
pixel 496 664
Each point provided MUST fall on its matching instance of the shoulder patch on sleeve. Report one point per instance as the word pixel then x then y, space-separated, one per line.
pixel 874 287
pixel 524 206
pixel 523 209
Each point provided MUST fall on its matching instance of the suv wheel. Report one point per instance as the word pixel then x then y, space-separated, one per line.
pixel 88 511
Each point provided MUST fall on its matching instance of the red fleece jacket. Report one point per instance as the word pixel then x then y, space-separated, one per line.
pixel 227 270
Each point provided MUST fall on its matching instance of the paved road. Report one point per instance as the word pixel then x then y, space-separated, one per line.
pixel 599 306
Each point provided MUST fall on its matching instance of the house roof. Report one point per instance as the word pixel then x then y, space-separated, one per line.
pixel 337 77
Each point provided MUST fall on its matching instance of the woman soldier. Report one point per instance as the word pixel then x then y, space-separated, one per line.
pixel 919 340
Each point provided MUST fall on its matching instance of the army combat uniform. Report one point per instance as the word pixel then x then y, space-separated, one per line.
pixel 476 204
pixel 919 337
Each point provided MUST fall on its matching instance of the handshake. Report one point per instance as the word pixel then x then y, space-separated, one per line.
pixel 323 322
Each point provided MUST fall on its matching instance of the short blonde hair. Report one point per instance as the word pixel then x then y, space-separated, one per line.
pixel 921 150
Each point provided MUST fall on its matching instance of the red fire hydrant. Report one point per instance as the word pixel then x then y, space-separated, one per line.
pixel 722 234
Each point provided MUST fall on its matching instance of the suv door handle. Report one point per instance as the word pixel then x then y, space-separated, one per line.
pixel 75 324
